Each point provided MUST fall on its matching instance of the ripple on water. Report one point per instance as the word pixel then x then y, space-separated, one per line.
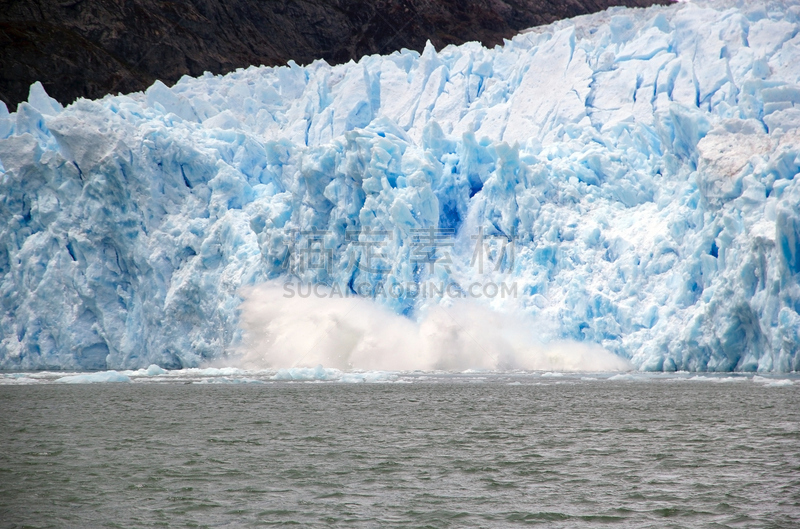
pixel 426 454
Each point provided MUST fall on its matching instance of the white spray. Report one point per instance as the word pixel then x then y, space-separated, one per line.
pixel 357 333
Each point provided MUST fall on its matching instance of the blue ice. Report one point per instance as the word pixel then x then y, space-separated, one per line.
pixel 641 161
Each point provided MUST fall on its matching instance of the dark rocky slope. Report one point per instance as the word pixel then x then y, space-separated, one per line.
pixel 88 48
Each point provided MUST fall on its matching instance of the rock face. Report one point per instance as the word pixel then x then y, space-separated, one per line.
pixel 89 48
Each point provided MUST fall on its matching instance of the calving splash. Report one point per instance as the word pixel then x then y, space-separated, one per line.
pixel 631 174
pixel 356 333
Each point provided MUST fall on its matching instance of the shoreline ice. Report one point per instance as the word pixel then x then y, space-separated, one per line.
pixel 319 374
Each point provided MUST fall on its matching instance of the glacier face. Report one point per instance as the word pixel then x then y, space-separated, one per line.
pixel 641 162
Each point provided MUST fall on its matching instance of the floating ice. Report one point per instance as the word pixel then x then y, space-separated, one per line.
pixel 322 375
pixel 772 382
pixel 93 378
pixel 625 377
pixel 720 380
pixel 229 380
pixel 153 370
pixel 640 162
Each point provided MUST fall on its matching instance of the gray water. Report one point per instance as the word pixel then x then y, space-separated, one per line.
pixel 454 453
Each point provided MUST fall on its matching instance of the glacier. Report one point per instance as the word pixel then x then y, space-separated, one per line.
pixel 641 162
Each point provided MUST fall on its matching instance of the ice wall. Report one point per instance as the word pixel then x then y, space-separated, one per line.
pixel 640 162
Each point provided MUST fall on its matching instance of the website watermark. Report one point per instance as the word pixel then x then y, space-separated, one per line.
pixel 408 290
pixel 374 251
pixel 373 260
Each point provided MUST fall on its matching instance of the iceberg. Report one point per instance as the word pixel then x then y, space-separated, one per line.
pixel 629 176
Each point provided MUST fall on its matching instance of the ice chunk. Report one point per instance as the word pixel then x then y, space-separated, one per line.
pixel 38 99
pixel 725 159
pixel 307 373
pixel 625 377
pixel 553 90
pixel 159 96
pixel 92 378
pixel 773 382
pixel 153 370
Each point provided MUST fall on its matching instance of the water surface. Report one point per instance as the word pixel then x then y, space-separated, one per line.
pixel 464 451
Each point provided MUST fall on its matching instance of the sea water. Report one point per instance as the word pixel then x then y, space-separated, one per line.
pixel 418 450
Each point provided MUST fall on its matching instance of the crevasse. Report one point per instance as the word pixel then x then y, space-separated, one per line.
pixel 641 162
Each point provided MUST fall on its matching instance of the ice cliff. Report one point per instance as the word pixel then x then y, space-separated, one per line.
pixel 641 162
